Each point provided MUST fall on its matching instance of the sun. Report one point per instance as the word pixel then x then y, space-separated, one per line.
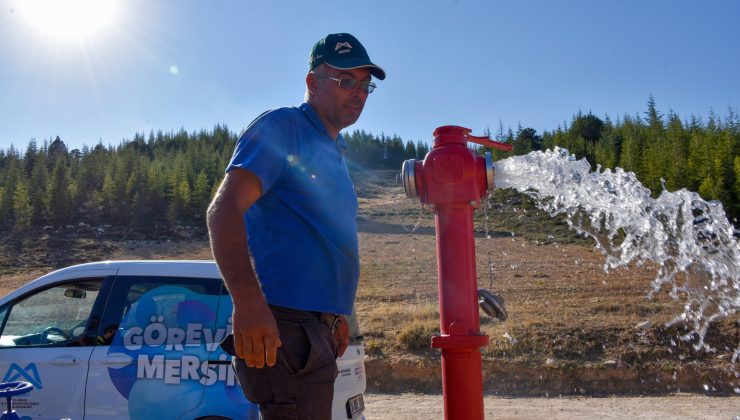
pixel 69 19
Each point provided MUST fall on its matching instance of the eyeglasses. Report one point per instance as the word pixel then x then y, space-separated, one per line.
pixel 349 84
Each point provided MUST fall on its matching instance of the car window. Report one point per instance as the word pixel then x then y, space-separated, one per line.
pixel 159 310
pixel 56 316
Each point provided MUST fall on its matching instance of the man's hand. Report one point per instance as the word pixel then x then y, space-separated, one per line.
pixel 256 336
pixel 341 335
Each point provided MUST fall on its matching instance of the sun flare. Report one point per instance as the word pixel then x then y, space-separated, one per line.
pixel 69 19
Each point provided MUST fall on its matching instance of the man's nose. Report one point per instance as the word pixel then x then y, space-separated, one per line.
pixel 360 93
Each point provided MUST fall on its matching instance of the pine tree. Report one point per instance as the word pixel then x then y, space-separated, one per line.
pixel 608 148
pixel 108 198
pixel 4 210
pixel 652 116
pixel 10 181
pixel 421 150
pixel 179 194
pixel 21 207
pixel 526 141
pixel 697 163
pixel 676 154
pixel 38 189
pixel 155 189
pixel 134 197
pixel 201 195
pixel 631 158
pixel 59 194
pixel 30 157
pixel 179 202
pixel 409 152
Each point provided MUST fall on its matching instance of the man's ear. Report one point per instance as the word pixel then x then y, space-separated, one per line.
pixel 312 83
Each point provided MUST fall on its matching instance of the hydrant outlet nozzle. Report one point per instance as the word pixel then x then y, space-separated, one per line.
pixel 490 172
pixel 408 178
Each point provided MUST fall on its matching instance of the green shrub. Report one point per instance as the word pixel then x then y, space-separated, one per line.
pixel 417 335
pixel 373 347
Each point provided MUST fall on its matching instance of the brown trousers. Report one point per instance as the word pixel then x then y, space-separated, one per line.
pixel 301 384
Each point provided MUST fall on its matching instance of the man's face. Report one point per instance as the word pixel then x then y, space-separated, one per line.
pixel 339 107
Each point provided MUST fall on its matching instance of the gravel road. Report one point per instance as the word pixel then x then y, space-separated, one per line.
pixel 677 406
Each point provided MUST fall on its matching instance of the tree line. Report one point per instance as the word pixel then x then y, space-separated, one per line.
pixel 169 178
pixel 160 179
pixel 664 151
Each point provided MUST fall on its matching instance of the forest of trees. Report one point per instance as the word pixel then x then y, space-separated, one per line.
pixel 169 178
pixel 162 178
pixel 698 155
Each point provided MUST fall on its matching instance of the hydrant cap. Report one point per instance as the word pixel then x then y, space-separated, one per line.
pixel 450 134
pixel 451 129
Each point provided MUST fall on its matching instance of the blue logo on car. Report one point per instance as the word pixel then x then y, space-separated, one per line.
pixel 29 374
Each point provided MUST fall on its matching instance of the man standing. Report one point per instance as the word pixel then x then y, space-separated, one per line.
pixel 283 233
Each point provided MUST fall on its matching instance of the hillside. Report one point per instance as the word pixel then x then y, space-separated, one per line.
pixel 572 328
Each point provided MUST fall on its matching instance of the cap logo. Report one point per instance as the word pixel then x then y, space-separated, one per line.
pixel 341 45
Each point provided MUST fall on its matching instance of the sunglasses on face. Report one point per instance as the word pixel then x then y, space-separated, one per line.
pixel 350 83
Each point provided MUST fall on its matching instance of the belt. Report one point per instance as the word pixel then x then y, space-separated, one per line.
pixel 331 320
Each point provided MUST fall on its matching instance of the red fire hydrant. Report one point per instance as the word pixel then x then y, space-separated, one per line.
pixel 453 179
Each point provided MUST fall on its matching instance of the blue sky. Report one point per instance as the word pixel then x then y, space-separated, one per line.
pixel 168 64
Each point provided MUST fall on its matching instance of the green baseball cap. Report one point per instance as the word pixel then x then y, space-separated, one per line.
pixel 344 52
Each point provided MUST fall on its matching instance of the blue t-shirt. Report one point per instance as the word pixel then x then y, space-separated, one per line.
pixel 302 231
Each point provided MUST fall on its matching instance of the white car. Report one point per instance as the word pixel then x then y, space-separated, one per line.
pixel 136 339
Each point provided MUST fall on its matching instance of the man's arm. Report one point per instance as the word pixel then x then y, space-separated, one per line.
pixel 256 336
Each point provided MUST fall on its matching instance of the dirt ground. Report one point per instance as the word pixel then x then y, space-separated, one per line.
pixel 678 406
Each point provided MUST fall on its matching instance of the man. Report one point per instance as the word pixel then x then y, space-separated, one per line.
pixel 283 233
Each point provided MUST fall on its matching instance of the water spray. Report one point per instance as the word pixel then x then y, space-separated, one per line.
pixel 690 240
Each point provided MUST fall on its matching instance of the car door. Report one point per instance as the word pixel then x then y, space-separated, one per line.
pixel 46 339
pixel 152 361
pixel 224 397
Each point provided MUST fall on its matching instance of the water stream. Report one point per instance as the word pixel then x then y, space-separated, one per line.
pixel 689 238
